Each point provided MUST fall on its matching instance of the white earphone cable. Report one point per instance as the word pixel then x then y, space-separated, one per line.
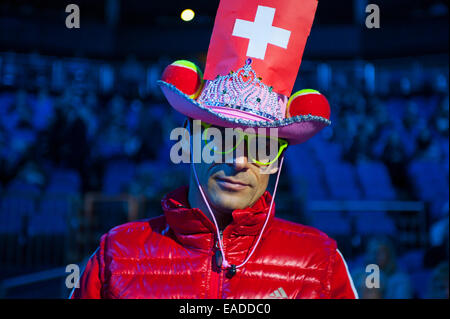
pixel 225 263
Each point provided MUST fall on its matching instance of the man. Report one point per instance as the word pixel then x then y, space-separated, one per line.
pixel 218 237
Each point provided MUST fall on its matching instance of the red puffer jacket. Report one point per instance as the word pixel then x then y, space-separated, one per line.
pixel 172 256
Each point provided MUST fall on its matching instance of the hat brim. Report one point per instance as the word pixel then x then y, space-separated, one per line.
pixel 295 130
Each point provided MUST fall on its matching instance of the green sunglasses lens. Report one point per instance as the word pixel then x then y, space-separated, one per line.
pixel 261 149
pixel 221 146
pixel 265 150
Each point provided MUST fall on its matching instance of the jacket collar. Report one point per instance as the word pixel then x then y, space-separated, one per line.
pixel 193 228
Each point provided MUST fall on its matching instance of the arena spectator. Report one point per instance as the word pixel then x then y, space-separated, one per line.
pixel 438 288
pixel 396 284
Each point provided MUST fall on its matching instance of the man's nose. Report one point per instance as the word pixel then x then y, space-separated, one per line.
pixel 240 161
pixel 239 156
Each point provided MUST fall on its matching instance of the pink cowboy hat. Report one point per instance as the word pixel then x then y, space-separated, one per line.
pixel 238 98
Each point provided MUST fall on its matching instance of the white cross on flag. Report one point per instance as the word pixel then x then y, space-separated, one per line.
pixel 261 32
pixel 271 32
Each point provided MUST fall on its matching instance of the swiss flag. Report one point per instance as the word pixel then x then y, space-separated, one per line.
pixel 272 33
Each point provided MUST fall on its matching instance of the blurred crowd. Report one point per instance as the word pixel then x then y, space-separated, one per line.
pixel 395 128
pixel 79 124
pixel 398 278
pixel 80 115
pixel 76 131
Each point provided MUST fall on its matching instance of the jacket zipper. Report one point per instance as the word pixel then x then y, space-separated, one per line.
pixel 215 275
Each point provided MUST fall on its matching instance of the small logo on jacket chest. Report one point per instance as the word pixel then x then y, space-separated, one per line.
pixel 278 294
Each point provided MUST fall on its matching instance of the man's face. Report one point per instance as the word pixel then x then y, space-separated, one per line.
pixel 232 185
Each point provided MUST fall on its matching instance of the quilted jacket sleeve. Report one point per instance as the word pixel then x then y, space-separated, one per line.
pixel 90 284
pixel 342 286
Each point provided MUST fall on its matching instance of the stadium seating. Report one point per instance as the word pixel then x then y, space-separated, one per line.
pixel 16 205
pixel 64 181
pixel 118 175
pixel 375 181
pixel 373 223
pixel 421 282
pixel 430 183
pixel 412 261
pixel 341 180
pixel 332 223
pixel 305 173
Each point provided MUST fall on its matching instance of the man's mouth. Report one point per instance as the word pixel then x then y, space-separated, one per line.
pixel 231 184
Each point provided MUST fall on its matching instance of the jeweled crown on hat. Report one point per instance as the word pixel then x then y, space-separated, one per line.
pixel 245 91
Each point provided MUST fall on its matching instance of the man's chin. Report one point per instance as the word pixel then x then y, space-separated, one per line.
pixel 229 200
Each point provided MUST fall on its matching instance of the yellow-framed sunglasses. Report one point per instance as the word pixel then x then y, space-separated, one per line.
pixel 253 141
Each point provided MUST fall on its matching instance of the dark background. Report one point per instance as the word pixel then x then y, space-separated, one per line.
pixel 84 135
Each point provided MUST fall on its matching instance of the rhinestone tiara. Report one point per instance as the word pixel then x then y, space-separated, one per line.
pixel 243 90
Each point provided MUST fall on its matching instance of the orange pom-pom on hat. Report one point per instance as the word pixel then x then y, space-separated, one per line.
pixel 185 76
pixel 308 101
